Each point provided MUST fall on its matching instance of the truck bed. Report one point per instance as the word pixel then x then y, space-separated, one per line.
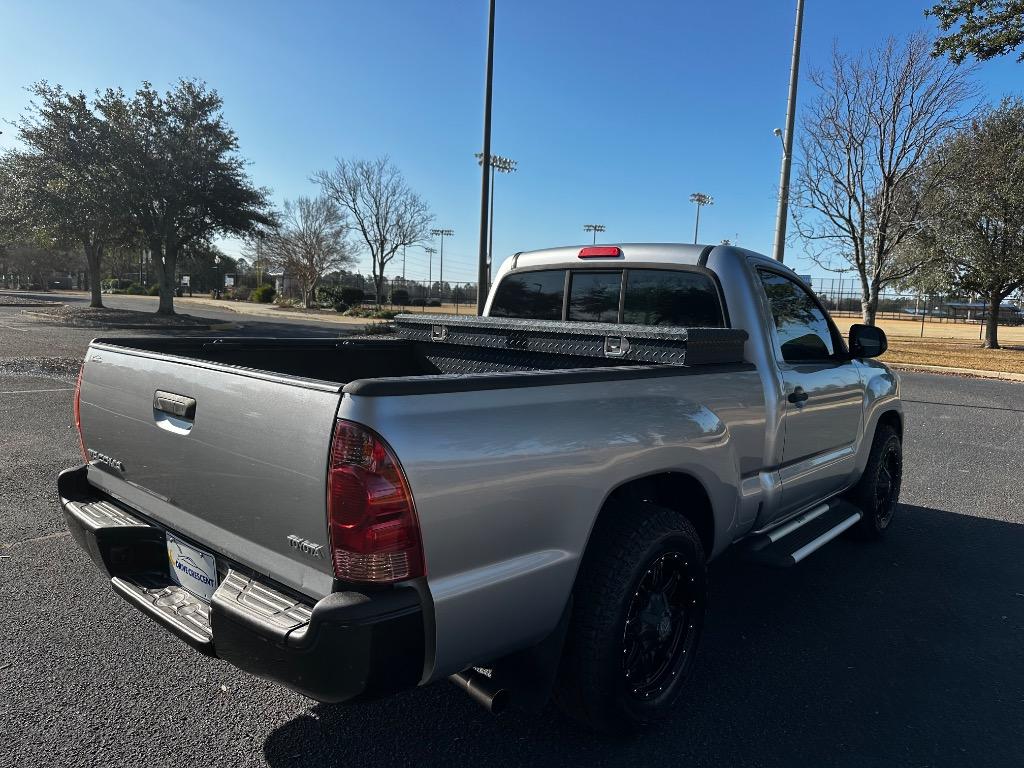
pixel 441 345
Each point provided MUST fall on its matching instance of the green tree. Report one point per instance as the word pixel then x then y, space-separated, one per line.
pixel 180 177
pixel 975 210
pixel 58 187
pixel 984 28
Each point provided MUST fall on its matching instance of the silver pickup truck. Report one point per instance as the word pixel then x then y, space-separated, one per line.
pixel 524 503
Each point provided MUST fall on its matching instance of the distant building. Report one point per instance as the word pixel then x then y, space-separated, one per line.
pixel 978 310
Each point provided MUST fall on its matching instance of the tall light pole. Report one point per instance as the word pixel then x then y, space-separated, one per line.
pixel 787 138
pixel 430 266
pixel 595 228
pixel 501 165
pixel 483 272
pixel 442 233
pixel 701 200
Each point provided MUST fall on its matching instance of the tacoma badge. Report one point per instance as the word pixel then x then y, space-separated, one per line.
pixel 305 546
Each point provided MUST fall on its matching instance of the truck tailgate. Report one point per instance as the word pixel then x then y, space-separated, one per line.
pixel 233 459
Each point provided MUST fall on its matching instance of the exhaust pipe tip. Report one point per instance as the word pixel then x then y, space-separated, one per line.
pixel 483 690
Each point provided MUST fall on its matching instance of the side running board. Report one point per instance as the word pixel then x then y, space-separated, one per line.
pixel 793 541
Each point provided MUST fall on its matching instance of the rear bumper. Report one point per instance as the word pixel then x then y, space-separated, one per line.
pixel 347 646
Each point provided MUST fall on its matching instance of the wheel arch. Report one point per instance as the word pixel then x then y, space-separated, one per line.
pixel 681 492
pixel 892 418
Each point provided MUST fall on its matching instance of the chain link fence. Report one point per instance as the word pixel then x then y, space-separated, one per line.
pixel 842 297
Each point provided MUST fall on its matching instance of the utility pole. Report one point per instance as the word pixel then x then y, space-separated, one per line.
pixel 595 228
pixel 403 262
pixel 701 200
pixel 442 233
pixel 781 218
pixel 483 270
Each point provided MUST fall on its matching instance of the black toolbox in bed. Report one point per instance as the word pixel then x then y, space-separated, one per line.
pixel 612 342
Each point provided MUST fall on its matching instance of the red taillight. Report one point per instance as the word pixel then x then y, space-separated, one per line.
pixel 599 251
pixel 78 414
pixel 375 535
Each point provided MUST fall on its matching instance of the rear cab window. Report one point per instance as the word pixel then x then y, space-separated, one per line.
pixel 538 295
pixel 678 297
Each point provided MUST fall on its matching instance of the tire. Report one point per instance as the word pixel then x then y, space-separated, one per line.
pixel 610 678
pixel 878 490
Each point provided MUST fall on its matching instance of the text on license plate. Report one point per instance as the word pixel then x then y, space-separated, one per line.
pixel 192 568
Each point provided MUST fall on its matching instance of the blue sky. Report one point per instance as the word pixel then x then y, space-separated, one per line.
pixel 615 111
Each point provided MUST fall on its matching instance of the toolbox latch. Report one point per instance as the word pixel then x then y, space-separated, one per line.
pixel 438 332
pixel 615 346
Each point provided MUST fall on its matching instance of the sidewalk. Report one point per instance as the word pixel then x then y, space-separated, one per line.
pixel 972 372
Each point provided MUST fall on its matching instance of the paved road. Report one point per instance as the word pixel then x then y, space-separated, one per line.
pixel 903 653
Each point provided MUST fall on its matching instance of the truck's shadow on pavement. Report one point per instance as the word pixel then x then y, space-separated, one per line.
pixel 907 652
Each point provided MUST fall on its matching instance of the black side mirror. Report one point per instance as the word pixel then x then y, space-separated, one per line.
pixel 867 341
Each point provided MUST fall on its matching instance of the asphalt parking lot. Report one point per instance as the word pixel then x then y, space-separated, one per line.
pixel 907 652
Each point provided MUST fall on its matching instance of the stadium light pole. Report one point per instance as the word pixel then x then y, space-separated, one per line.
pixel 483 271
pixel 595 228
pixel 781 217
pixel 499 164
pixel 430 266
pixel 701 200
pixel 442 233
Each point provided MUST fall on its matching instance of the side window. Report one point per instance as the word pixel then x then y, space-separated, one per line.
pixel 535 295
pixel 671 297
pixel 594 296
pixel 802 328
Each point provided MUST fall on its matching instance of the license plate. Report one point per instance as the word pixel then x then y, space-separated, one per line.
pixel 192 568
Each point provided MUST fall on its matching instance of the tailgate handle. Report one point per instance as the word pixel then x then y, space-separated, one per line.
pixel 174 405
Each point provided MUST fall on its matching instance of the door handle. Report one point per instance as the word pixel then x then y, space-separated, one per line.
pixel 174 405
pixel 798 396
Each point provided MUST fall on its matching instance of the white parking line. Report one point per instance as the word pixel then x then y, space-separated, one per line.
pixel 34 391
pixel 13 328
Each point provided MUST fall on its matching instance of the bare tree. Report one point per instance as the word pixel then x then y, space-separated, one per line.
pixel 384 210
pixel 866 141
pixel 310 242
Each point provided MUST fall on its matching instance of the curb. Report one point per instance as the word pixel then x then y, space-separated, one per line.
pixel 38 304
pixel 972 372
pixel 140 326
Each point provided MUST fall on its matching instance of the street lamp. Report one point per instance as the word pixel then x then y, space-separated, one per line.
pixel 442 233
pixel 701 200
pixel 787 138
pixel 595 228
pixel 501 165
pixel 483 269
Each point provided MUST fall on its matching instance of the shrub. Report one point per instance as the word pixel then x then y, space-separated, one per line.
pixel 433 302
pixel 154 290
pixel 376 329
pixel 418 302
pixel 241 293
pixel 328 296
pixel 340 306
pixel 352 296
pixel 136 290
pixel 400 297
pixel 262 294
